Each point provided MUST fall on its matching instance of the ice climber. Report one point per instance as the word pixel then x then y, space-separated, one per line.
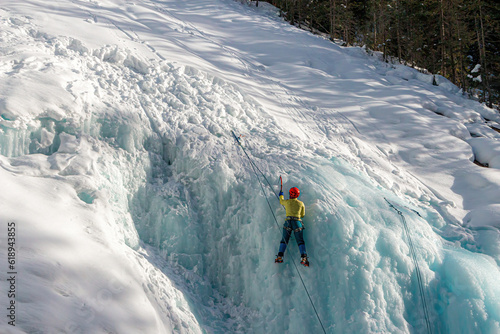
pixel 295 210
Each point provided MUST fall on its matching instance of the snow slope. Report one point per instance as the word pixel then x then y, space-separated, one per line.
pixel 136 211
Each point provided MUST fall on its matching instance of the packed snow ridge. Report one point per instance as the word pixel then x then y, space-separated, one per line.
pixel 135 211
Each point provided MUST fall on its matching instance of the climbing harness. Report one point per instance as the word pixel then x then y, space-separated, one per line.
pixel 298 229
pixel 255 168
pixel 415 262
pixel 289 229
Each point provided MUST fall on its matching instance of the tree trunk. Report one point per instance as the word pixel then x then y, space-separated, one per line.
pixel 300 13
pixel 485 77
pixel 398 30
pixel 481 59
pixel 443 54
pixel 332 19
pixel 311 23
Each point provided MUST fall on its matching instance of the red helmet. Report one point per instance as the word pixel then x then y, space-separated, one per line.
pixel 294 192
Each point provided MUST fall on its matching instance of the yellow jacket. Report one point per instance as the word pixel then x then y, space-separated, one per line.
pixel 293 207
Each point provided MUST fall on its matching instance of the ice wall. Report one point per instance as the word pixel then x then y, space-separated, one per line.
pixel 151 140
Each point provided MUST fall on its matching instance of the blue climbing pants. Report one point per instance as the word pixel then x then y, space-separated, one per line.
pixel 295 226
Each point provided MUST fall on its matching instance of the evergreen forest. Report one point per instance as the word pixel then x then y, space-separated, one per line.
pixel 458 39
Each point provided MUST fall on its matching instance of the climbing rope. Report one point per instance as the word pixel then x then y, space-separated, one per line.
pixel 417 267
pixel 255 168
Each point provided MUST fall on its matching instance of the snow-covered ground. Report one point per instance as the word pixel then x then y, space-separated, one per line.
pixel 136 212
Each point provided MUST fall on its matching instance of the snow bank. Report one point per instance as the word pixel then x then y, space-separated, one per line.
pixel 486 151
pixel 485 222
pixel 148 218
pixel 73 275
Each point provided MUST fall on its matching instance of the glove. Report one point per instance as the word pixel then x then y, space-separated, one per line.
pixel 281 193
